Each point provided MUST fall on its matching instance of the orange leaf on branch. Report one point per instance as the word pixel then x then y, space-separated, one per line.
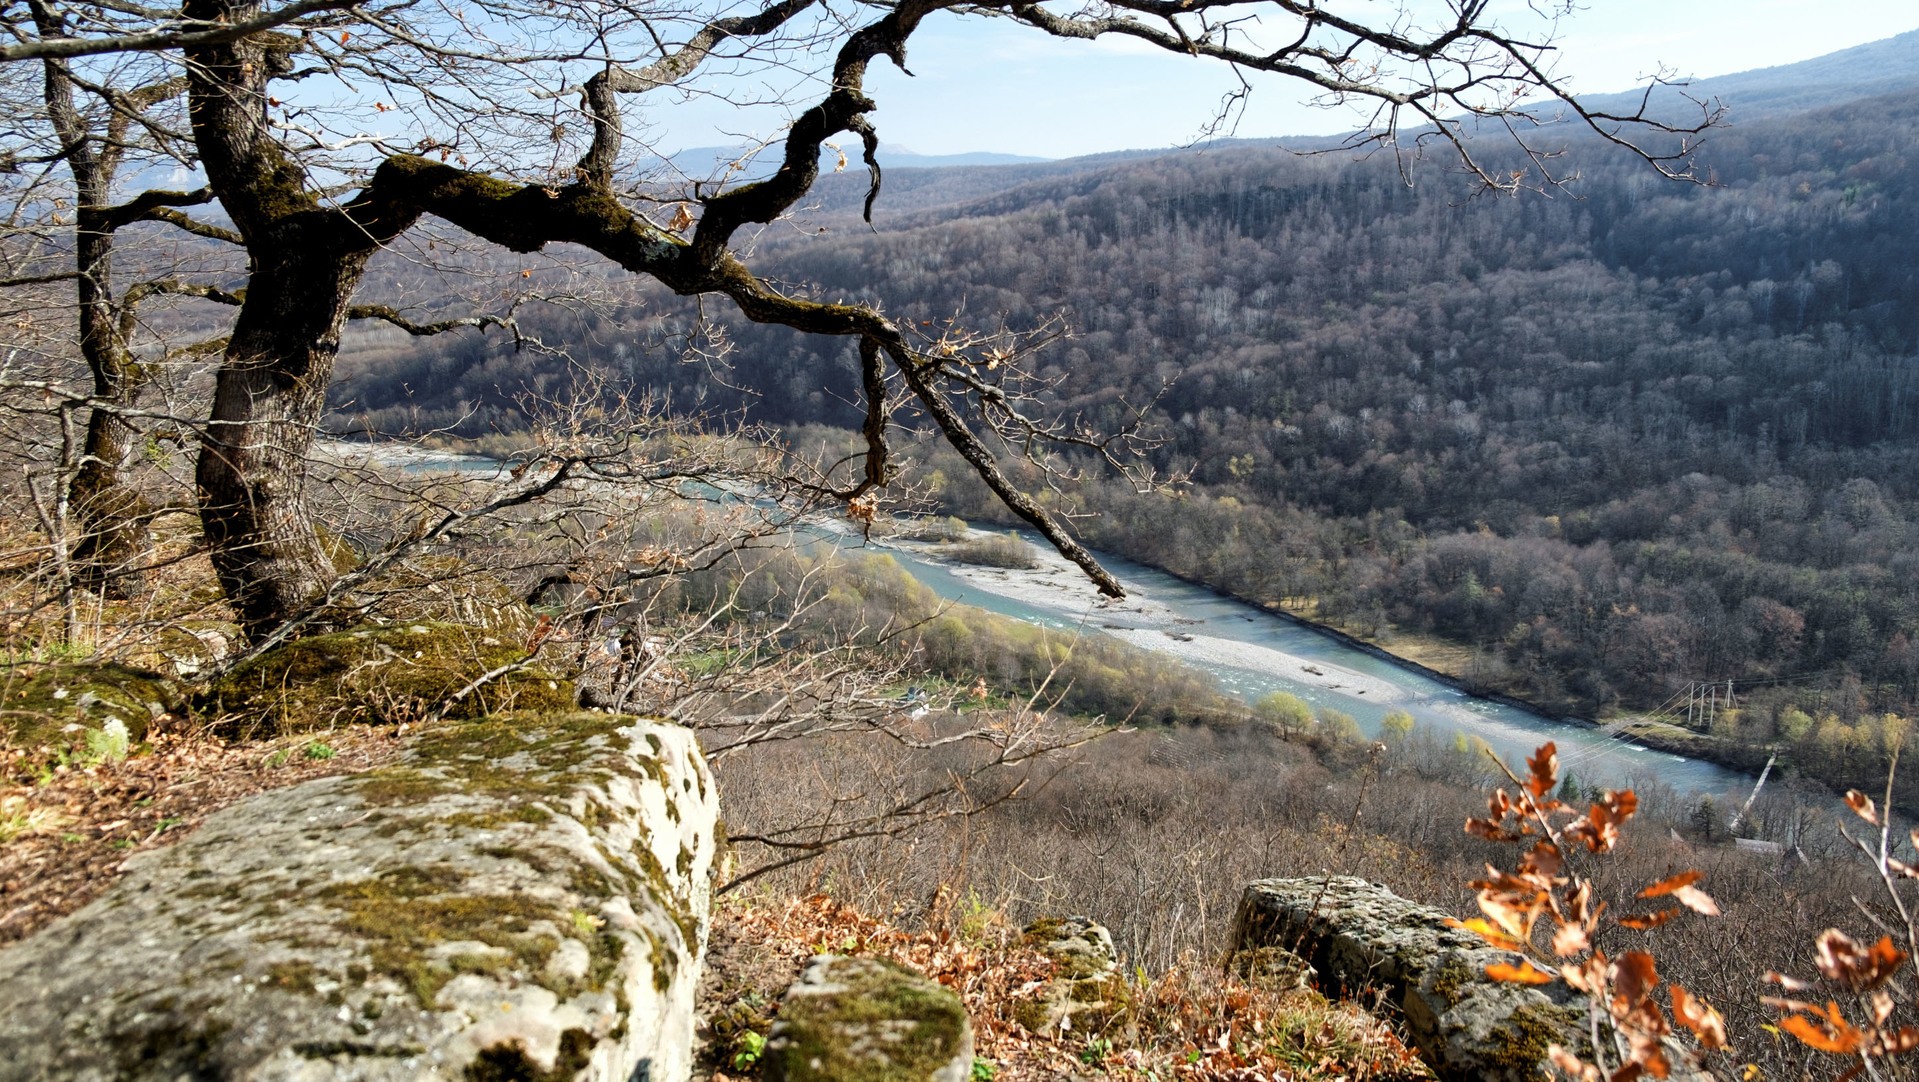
pixel 1862 806
pixel 1545 771
pixel 1598 829
pixel 1844 960
pixel 1523 973
pixel 1490 830
pixel 1543 860
pixel 1641 922
pixel 1491 933
pixel 1667 886
pixel 1697 1015
pixel 1826 1031
pixel 1634 976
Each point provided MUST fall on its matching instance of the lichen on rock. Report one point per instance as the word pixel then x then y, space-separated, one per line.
pixel 332 931
pixel 868 1020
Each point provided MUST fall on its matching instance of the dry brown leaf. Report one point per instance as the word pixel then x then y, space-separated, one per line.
pixel 1572 1066
pixel 1697 900
pixel 1523 973
pixel 1699 1016
pixel 1667 886
pixel 1862 806
pixel 1844 960
pixel 1640 922
pixel 1570 940
pixel 1545 770
pixel 1634 975
pixel 1790 984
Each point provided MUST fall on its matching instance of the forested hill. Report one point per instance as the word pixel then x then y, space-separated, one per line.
pixel 1878 67
pixel 1621 439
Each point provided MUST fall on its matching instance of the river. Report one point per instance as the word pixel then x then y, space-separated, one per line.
pixel 1251 652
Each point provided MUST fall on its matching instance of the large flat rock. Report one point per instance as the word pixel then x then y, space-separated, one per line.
pixel 524 896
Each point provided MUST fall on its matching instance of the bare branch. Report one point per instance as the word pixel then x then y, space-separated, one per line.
pixel 177 34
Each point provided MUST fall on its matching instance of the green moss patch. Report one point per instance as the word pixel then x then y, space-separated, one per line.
pixel 881 1023
pixel 508 774
pixel 401 931
pixel 38 703
pixel 1520 1044
pixel 377 675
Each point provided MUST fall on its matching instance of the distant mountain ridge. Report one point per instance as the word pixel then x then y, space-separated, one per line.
pixel 701 161
pixel 1876 69
pixel 1863 71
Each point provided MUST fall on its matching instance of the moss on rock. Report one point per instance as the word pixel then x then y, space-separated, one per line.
pixel 39 704
pixel 868 1020
pixel 1520 1044
pixel 455 913
pixel 402 927
pixel 390 674
pixel 1087 992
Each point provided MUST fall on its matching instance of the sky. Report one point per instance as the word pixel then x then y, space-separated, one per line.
pixel 985 85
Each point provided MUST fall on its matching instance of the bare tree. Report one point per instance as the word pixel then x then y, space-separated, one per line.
pixel 113 518
pixel 487 139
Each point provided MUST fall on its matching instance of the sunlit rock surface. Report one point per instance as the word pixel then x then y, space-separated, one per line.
pixel 524 896
pixel 1087 992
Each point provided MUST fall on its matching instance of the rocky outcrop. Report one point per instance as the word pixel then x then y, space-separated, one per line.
pixel 868 1020
pixel 524 896
pixel 389 674
pixel 59 705
pixel 1087 992
pixel 1362 937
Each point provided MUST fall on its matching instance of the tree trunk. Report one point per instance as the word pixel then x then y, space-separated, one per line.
pixel 267 403
pixel 115 533
pixel 307 258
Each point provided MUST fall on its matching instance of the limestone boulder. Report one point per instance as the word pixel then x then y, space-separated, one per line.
pixel 1361 937
pixel 868 1020
pixel 524 896
pixel 1087 992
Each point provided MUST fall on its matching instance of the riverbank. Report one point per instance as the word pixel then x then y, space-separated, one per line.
pixel 1057 584
pixel 1141 619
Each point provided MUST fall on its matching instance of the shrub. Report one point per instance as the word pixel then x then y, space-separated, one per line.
pixel 997 550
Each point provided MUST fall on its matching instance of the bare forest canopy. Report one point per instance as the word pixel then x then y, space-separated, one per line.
pixel 1621 441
